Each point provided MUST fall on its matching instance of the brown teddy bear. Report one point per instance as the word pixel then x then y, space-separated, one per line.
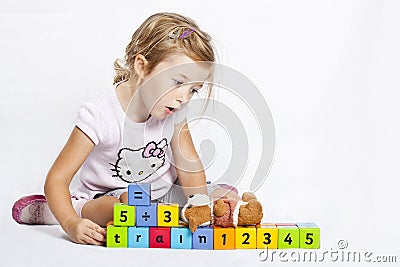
pixel 201 211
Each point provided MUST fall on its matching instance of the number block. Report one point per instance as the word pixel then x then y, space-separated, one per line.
pixel 203 238
pixel 181 238
pixel 117 237
pixel 124 215
pixel 288 236
pixel 146 215
pixel 139 194
pixel 309 235
pixel 159 237
pixel 168 214
pixel 224 237
pixel 245 237
pixel 267 235
pixel 138 237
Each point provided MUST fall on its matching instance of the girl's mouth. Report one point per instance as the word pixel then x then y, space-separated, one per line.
pixel 169 110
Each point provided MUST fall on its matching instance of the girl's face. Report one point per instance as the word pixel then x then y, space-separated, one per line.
pixel 172 83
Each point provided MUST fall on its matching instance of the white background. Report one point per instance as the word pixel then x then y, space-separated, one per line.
pixel 329 71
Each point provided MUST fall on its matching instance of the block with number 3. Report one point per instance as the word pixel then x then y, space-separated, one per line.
pixel 168 214
pixel 267 235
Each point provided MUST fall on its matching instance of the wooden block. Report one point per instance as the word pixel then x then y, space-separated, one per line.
pixel 203 238
pixel 288 236
pixel 138 237
pixel 159 237
pixel 146 215
pixel 181 238
pixel 267 236
pixel 309 235
pixel 168 214
pixel 117 237
pixel 139 194
pixel 245 237
pixel 124 215
pixel 224 237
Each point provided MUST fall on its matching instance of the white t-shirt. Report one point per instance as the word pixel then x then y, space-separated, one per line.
pixel 125 151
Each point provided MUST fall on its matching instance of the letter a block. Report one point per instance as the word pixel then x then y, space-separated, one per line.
pixel 146 215
pixel 288 236
pixel 138 237
pixel 168 214
pixel 309 235
pixel 117 237
pixel 159 237
pixel 181 237
pixel 224 237
pixel 124 215
pixel 246 237
pixel 267 235
pixel 203 238
pixel 139 194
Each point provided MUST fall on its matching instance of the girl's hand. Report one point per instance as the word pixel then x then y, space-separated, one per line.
pixel 84 231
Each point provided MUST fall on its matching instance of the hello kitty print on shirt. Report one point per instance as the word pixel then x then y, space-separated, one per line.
pixel 135 165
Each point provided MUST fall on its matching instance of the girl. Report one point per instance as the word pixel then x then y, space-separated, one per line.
pixel 123 136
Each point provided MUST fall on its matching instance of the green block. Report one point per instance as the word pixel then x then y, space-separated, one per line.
pixel 117 237
pixel 288 237
pixel 124 215
pixel 309 235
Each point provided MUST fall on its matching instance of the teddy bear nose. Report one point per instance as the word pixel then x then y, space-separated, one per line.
pixel 191 196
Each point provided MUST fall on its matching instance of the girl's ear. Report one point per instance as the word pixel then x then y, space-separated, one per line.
pixel 140 65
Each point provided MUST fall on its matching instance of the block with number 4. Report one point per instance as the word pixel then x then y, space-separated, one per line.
pixel 168 214
pixel 124 215
pixel 267 235
pixel 288 236
pixel 309 235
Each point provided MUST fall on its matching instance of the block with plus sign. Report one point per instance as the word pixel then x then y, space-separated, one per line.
pixel 139 194
pixel 146 215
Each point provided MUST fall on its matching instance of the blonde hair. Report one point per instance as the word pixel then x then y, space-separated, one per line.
pixel 152 40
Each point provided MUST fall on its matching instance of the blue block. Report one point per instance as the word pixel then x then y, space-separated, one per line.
pixel 181 237
pixel 138 237
pixel 146 215
pixel 139 194
pixel 203 238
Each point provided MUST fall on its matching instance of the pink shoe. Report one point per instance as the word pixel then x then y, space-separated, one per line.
pixel 33 210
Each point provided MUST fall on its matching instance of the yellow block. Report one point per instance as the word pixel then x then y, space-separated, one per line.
pixel 245 237
pixel 168 214
pixel 267 235
pixel 224 237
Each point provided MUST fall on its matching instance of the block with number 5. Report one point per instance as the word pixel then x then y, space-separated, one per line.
pixel 288 236
pixel 309 235
pixel 124 215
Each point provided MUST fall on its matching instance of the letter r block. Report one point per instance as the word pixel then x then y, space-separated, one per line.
pixel 138 237
pixel 139 194
pixel 124 215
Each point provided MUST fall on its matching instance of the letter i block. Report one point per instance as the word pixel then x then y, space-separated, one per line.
pixel 139 194
pixel 288 236
pixel 138 237
pixel 309 235
pixel 203 238
pixel 224 237
pixel 159 237
pixel 181 237
pixel 168 214
pixel 124 215
pixel 117 236
pixel 245 237
pixel 146 215
pixel 267 235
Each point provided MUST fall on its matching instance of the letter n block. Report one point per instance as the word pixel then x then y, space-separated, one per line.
pixel 168 214
pixel 203 238
pixel 159 237
pixel 139 194
pixel 124 215
pixel 181 237
pixel 267 235
pixel 309 235
pixel 246 237
pixel 224 237
pixel 117 237
pixel 138 237
pixel 146 215
pixel 288 236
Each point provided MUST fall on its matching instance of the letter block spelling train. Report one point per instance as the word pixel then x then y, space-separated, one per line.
pixel 124 215
pixel 203 238
pixel 224 237
pixel 139 194
pixel 309 235
pixel 245 237
pixel 159 237
pixel 168 214
pixel 267 235
pixel 117 236
pixel 288 236
pixel 138 237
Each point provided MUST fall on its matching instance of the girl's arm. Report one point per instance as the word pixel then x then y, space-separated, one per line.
pixel 188 165
pixel 56 189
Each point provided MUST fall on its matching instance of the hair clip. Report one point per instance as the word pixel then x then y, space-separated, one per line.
pixel 186 33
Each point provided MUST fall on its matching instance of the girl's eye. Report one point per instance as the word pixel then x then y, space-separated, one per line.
pixel 178 82
pixel 195 91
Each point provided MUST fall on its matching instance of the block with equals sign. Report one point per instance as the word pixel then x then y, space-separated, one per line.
pixel 139 194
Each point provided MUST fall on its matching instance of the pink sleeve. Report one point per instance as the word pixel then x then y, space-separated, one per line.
pixel 89 121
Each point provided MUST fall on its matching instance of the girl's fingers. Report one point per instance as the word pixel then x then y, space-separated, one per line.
pixel 90 241
pixel 96 228
pixel 93 234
